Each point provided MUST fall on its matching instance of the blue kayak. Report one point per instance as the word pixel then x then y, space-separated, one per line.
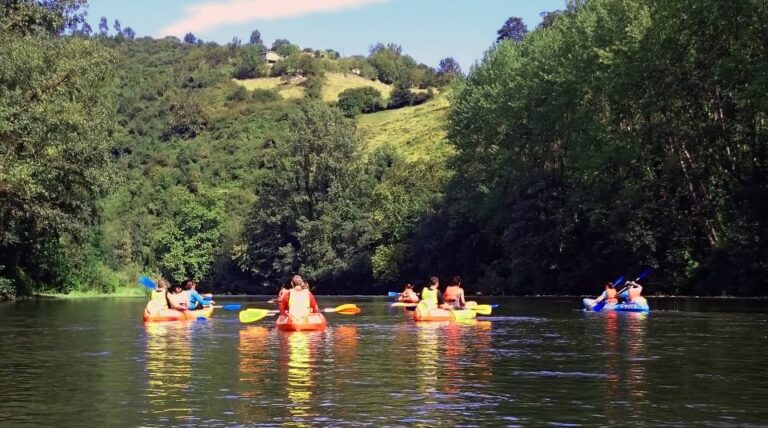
pixel 619 307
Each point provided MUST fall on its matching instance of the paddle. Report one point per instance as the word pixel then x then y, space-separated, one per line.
pixel 599 306
pixel 643 274
pixel 345 309
pixel 145 281
pixel 232 307
pixel 251 315
pixel 393 294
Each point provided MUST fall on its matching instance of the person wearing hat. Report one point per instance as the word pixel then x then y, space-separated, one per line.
pixel 299 301
pixel 609 295
pixel 408 295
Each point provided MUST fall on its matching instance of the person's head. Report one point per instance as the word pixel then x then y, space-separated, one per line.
pixel 296 281
pixel 162 284
pixel 305 285
pixel 175 288
pixel 433 282
pixel 609 285
pixel 456 281
pixel 409 286
pixel 189 284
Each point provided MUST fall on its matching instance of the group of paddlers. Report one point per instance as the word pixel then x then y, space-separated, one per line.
pixel 629 294
pixel 178 296
pixel 451 298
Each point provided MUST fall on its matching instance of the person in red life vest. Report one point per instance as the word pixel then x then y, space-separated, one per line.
pixel 298 302
pixel 454 294
pixel 408 295
pixel 609 295
pixel 281 293
pixel 176 298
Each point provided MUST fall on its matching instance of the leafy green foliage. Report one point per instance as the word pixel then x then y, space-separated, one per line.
pixel 595 146
pixel 56 119
pixel 354 101
pixel 190 236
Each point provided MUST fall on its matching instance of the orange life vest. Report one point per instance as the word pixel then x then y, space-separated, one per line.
pixel 610 295
pixel 452 293
pixel 634 293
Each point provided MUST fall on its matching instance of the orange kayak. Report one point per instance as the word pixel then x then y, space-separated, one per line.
pixel 164 315
pixel 312 322
pixel 436 314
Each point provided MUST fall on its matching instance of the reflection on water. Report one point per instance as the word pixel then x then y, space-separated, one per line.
pixel 300 352
pixel 168 357
pixel 534 362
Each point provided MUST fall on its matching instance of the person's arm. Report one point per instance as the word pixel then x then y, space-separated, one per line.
pixel 440 300
pixel 461 298
pixel 196 298
pixel 284 304
pixel 601 297
pixel 313 303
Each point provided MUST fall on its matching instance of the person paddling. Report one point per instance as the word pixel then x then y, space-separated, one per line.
pixel 632 294
pixel 281 293
pixel 176 298
pixel 408 295
pixel 454 294
pixel 196 301
pixel 298 302
pixel 159 291
pixel 431 296
pixel 609 295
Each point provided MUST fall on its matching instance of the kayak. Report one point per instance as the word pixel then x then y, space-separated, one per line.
pixel 164 315
pixel 619 307
pixel 312 322
pixel 403 305
pixel 437 314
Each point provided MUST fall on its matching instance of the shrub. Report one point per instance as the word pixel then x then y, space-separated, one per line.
pixel 354 101
pixel 239 94
pixel 266 95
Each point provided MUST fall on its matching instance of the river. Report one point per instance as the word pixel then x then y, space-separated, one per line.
pixel 534 361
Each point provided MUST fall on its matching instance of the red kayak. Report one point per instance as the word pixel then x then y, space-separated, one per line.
pixel 312 322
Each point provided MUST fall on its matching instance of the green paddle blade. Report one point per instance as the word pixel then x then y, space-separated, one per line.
pixel 251 315
pixel 348 308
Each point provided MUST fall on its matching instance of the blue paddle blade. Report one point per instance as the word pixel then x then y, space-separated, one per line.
pixel 145 281
pixel 232 307
pixel 392 294
pixel 495 305
pixel 644 273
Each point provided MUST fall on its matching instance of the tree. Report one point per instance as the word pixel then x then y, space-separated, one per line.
pixel 56 95
pixel 118 28
pixel 354 101
pixel 284 48
pixel 128 33
pixel 255 38
pixel 248 64
pixel 103 26
pixel 401 95
pixel 513 29
pixel 86 30
pixel 390 63
pixel 308 217
pixel 190 237
pixel 549 18
pixel 449 66
pixel 190 38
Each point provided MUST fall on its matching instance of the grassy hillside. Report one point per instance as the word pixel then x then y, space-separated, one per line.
pixel 334 84
pixel 416 132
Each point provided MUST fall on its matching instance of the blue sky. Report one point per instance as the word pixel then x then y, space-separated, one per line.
pixel 428 30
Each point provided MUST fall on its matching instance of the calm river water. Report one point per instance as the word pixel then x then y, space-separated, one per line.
pixel 535 361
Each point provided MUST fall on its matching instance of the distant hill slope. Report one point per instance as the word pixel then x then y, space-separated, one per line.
pixel 335 83
pixel 417 132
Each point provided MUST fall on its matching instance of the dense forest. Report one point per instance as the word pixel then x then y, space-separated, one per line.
pixel 618 134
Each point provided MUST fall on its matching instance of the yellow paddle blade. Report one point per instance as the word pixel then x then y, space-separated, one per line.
pixel 481 309
pixel 345 308
pixel 251 315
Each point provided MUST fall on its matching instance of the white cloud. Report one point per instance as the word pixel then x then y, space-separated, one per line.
pixel 208 15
